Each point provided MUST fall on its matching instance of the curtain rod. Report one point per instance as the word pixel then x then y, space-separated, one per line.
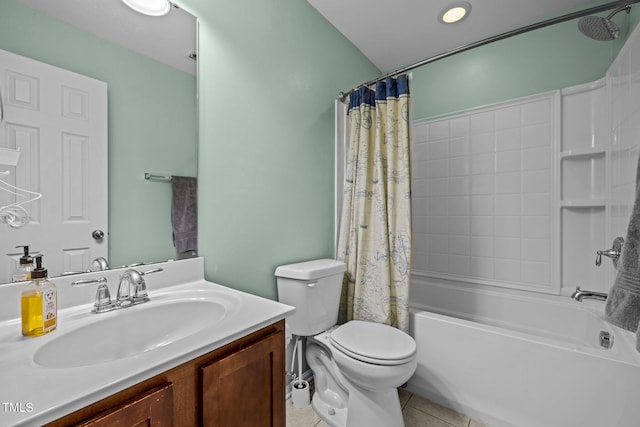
pixel 502 36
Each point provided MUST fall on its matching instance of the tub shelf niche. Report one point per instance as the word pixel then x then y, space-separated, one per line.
pixel 584 160
pixel 585 153
pixel 586 203
pixel 583 178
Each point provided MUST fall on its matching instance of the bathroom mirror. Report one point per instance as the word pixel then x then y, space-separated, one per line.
pixel 149 66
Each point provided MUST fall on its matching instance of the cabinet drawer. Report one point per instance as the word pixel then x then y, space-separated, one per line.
pixel 153 408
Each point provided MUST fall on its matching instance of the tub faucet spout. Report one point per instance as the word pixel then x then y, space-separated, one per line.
pixel 579 295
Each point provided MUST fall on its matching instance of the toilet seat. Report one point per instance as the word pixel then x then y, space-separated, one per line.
pixel 373 343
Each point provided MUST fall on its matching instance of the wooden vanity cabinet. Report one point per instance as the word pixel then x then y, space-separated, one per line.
pixel 238 385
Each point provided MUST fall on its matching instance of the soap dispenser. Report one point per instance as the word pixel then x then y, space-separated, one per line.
pixel 25 265
pixel 39 303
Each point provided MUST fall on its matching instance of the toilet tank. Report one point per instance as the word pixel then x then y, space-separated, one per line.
pixel 313 288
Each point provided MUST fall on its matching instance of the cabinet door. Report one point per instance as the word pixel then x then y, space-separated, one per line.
pixel 153 409
pixel 246 388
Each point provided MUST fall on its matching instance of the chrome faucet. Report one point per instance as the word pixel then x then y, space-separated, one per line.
pixel 99 264
pixel 132 288
pixel 579 295
pixel 613 253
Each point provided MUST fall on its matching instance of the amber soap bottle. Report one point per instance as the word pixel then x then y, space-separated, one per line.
pixel 39 302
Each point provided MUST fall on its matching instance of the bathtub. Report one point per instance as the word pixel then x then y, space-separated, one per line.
pixel 510 359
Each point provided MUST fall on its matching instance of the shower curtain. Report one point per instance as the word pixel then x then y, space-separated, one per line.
pixel 375 226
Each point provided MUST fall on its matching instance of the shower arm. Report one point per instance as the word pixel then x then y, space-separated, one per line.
pixel 626 7
pixel 557 20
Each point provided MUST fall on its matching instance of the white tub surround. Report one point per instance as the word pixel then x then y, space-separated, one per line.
pixel 40 394
pixel 521 194
pixel 483 195
pixel 512 359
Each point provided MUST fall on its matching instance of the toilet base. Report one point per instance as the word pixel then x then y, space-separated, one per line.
pixel 381 409
pixel 335 417
pixel 377 409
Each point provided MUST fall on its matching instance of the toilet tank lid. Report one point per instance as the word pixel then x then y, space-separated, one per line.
pixel 310 270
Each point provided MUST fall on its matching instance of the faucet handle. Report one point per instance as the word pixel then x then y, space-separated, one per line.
pixel 103 301
pixel 155 270
pixel 71 273
pixel 82 283
pixel 613 253
pixel 140 286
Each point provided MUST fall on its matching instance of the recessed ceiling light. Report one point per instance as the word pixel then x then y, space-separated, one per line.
pixel 455 12
pixel 149 7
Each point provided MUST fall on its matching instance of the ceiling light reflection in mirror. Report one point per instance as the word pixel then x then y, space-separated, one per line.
pixel 116 22
pixel 149 7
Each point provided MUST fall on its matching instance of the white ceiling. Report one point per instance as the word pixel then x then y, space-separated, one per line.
pixel 168 39
pixel 391 33
pixel 397 33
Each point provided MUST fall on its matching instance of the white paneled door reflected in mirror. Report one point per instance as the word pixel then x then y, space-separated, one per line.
pixel 63 156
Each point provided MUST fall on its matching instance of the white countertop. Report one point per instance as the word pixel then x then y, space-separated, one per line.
pixel 31 394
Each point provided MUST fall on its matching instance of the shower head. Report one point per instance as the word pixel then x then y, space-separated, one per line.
pixel 599 28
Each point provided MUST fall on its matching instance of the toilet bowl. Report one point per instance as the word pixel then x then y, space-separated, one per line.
pixel 358 366
pixel 359 378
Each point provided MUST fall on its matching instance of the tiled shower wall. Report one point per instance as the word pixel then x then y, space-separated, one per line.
pixel 482 194
pixel 521 194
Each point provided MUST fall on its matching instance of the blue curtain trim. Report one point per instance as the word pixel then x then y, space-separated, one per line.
pixel 390 88
pixel 361 96
pixel 403 84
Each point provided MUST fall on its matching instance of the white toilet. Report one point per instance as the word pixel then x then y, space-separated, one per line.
pixel 357 366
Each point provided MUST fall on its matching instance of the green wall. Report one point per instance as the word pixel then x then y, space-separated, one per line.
pixel 269 73
pixel 546 59
pixel 152 125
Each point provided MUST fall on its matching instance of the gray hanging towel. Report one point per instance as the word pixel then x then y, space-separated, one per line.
pixel 623 303
pixel 184 213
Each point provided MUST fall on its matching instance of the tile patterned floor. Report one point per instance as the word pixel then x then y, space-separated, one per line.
pixel 417 411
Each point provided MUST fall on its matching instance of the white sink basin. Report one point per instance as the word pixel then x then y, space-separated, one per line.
pixel 131 331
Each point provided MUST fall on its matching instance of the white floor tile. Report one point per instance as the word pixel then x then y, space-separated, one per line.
pixel 417 412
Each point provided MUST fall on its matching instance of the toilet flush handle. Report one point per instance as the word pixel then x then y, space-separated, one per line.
pixel 312 284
